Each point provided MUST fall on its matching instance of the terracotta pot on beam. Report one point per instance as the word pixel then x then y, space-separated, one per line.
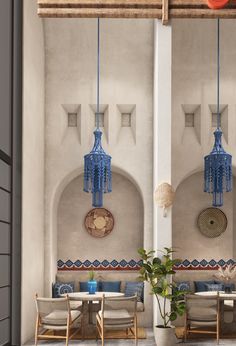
pixel 217 4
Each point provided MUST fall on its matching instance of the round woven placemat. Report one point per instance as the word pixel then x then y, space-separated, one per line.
pixel 212 222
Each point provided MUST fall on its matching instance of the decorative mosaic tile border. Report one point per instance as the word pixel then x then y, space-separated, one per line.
pixel 99 265
pixel 203 264
pixel 135 265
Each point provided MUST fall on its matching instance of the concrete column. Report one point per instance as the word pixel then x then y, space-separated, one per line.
pixel 162 226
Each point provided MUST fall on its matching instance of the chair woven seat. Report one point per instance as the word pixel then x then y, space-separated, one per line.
pixel 202 313
pixel 59 317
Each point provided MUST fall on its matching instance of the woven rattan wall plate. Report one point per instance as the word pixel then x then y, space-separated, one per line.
pixel 99 222
pixel 212 222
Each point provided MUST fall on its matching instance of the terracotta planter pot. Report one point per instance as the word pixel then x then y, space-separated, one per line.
pixel 217 4
pixel 165 336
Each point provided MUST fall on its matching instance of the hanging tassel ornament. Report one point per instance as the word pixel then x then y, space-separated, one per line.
pixel 97 164
pixel 218 164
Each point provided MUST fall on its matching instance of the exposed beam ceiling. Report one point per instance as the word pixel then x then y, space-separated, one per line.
pixel 160 9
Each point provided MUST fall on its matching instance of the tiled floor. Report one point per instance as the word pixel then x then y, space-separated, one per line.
pixel 147 342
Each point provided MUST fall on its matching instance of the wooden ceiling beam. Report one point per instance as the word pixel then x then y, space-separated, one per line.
pixel 160 9
pixel 99 12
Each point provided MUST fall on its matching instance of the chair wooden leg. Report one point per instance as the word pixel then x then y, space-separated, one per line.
pixel 186 332
pixel 36 331
pixel 67 332
pixel 218 330
pixel 136 330
pixel 102 332
pixel 97 330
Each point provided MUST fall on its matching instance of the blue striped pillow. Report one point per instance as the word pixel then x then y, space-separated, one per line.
pixel 134 287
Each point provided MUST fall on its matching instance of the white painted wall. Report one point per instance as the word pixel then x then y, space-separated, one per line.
pixel 126 206
pixel 33 167
pixel 162 226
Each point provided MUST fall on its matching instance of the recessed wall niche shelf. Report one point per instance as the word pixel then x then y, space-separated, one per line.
pixel 72 121
pixel 192 121
pixel 223 119
pixel 103 119
pixel 127 120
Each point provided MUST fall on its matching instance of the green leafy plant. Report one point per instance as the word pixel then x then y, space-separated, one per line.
pixel 91 275
pixel 158 271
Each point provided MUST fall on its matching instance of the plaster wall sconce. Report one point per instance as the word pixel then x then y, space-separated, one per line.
pixel 164 197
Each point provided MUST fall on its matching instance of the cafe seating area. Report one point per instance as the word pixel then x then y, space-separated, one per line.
pixel 128 173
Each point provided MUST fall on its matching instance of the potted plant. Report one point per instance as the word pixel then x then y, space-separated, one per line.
pixel 226 275
pixel 158 271
pixel 92 283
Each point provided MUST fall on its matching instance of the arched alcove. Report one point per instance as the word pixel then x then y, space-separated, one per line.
pixel 125 203
pixel 190 200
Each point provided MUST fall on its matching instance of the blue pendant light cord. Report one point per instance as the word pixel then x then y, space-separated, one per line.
pixel 218 73
pixel 98 72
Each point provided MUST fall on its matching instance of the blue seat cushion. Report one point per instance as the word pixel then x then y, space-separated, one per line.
pixel 62 288
pixel 201 286
pixel 134 287
pixel 110 286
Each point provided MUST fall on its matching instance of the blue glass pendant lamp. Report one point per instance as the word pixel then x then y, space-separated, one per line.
pixel 97 164
pixel 218 164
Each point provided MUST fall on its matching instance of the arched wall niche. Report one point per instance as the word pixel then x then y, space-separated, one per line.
pixel 190 200
pixel 125 203
pixel 51 244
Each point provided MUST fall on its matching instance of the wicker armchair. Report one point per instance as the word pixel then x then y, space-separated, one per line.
pixel 202 315
pixel 55 314
pixel 115 318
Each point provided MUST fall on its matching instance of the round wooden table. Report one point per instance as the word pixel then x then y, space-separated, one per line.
pixel 85 296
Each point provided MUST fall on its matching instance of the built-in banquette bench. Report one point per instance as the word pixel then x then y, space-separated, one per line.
pixel 144 306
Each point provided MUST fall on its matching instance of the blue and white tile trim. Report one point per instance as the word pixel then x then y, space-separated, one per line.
pixel 203 264
pixel 99 265
pixel 136 264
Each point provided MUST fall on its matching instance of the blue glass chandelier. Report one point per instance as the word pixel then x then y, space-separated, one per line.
pixel 97 164
pixel 218 164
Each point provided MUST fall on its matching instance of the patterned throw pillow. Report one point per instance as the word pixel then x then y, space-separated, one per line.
pixel 215 287
pixel 232 285
pixel 183 286
pixel 132 288
pixel 110 286
pixel 62 288
pixel 200 286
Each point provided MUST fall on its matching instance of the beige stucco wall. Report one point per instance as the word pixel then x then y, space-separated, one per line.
pixel 125 204
pixel 190 200
pixel 126 79
pixel 194 83
pixel 33 167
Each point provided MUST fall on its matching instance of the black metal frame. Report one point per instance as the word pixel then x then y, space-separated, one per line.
pixel 14 162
